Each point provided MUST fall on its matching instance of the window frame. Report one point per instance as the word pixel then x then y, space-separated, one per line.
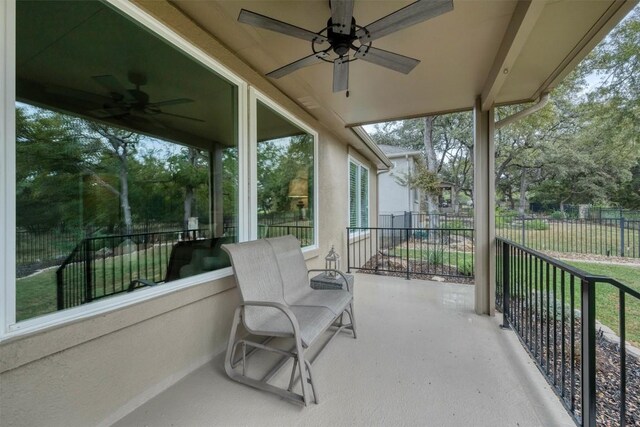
pixel 254 97
pixel 360 166
pixel 9 327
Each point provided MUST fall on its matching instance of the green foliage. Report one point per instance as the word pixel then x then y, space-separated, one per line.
pixel 536 224
pixel 436 256
pixel 280 162
pixel 422 179
pixel 558 215
pixel 465 268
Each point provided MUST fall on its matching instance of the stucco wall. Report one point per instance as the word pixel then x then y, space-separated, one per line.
pixel 95 370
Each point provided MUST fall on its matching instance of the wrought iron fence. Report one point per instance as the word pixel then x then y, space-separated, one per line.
pixel 552 308
pixel 411 251
pixel 606 237
pixel 597 236
pixel 103 266
pixel 304 233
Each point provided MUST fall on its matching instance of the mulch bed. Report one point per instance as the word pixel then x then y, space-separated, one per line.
pixel 607 370
pixel 387 266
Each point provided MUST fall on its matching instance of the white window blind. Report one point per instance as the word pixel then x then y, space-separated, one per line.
pixel 358 195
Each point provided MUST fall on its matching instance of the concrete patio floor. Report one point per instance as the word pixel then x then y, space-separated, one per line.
pixel 422 357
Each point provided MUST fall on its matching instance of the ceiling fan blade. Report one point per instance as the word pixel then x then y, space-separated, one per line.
pixel 341 14
pixel 103 113
pixel 176 101
pixel 261 21
pixel 114 87
pixel 412 14
pixel 180 116
pixel 76 94
pixel 340 74
pixel 300 63
pixel 390 60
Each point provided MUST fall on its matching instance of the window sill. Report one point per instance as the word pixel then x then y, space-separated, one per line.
pixel 37 338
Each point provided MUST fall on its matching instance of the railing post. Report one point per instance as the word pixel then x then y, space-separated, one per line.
pixel 348 251
pixel 505 285
pixel 407 236
pixel 87 271
pixel 60 289
pixel 621 236
pixel 588 359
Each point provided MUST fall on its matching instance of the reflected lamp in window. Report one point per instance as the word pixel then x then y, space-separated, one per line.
pixel 285 170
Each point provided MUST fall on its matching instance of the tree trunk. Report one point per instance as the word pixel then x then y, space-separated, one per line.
pixel 189 193
pixel 431 163
pixel 522 208
pixel 188 203
pixel 124 194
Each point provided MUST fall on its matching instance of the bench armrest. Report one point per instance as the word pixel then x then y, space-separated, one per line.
pixel 276 305
pixel 319 270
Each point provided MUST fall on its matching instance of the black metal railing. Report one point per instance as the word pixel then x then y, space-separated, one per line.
pixel 304 233
pixel 411 251
pixel 103 266
pixel 552 308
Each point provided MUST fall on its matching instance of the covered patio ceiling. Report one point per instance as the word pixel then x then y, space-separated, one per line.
pixel 508 51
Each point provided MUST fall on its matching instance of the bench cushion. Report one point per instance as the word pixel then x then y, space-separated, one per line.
pixel 312 321
pixel 336 300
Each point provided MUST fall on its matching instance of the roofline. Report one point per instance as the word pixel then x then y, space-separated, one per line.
pixel 404 154
pixel 371 145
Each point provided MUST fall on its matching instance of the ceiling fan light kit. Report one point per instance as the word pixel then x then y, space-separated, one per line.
pixel 347 41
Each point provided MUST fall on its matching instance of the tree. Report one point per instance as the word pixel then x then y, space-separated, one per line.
pixel 50 155
pixel 120 144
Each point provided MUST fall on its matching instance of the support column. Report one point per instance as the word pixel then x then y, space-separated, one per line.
pixel 215 191
pixel 484 209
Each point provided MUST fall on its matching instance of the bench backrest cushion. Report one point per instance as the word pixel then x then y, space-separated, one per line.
pixel 293 267
pixel 258 277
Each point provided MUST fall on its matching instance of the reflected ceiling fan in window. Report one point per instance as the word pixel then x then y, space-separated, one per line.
pixel 343 40
pixel 134 101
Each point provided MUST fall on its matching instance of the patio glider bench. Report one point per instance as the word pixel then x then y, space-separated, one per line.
pixel 277 301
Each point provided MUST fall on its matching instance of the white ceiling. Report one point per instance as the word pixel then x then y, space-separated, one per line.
pixel 464 52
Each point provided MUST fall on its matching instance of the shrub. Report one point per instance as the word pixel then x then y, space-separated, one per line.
pixel 465 268
pixel 558 215
pixel 503 221
pixel 436 257
pixel 422 235
pixel 536 224
pixel 456 224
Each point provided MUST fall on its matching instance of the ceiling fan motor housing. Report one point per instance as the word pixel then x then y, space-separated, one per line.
pixel 341 43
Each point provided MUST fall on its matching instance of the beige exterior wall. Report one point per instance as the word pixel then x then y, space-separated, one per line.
pixel 95 370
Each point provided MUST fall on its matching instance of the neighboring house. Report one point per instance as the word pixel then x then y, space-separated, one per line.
pixel 394 195
pixel 187 75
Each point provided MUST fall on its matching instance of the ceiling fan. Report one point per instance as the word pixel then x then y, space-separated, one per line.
pixel 343 40
pixel 125 102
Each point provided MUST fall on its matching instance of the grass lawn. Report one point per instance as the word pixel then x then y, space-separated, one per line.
pixel 460 260
pixel 574 237
pixel 36 294
pixel 607 296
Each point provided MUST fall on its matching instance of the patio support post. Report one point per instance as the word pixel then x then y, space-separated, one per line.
pixel 215 191
pixel 484 209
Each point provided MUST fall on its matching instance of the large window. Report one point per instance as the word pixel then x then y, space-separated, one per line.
pixel 358 194
pixel 285 177
pixel 127 170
